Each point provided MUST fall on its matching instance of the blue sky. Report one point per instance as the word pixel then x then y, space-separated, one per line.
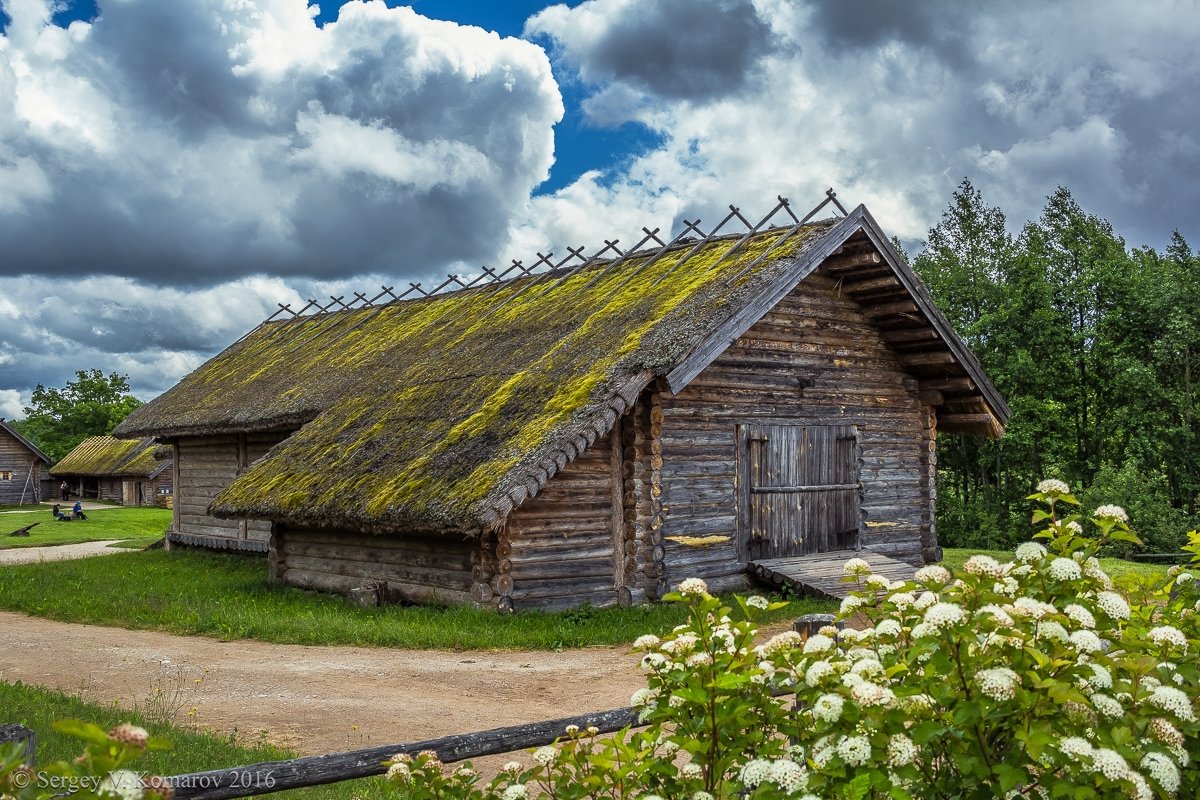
pixel 579 145
pixel 186 165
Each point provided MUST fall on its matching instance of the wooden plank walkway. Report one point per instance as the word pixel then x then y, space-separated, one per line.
pixel 821 574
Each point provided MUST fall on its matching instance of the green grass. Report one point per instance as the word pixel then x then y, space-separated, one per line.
pixel 953 559
pixel 193 750
pixel 144 525
pixel 229 597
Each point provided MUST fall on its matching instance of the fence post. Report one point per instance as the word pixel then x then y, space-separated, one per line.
pixel 19 733
pixel 809 624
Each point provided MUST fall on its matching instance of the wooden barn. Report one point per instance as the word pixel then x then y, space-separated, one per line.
pixel 590 432
pixel 20 467
pixel 130 472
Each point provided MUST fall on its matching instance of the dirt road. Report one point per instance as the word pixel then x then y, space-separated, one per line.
pixel 312 698
pixel 59 552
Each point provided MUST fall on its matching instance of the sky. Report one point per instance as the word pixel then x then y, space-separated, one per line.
pixel 169 172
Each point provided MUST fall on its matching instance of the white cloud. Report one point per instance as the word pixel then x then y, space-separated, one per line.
pixel 10 404
pixel 225 138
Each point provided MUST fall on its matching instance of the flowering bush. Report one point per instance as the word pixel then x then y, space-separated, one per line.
pixel 100 773
pixel 1031 678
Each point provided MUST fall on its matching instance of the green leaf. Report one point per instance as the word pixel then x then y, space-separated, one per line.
pixel 88 731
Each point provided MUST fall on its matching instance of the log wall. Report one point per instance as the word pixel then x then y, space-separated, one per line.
pixel 434 568
pixel 203 467
pixel 26 471
pixel 815 359
pixel 561 549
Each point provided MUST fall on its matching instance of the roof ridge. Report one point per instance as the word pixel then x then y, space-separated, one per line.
pixel 565 267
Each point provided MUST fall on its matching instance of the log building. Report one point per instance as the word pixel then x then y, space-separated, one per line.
pixel 586 434
pixel 132 473
pixel 21 463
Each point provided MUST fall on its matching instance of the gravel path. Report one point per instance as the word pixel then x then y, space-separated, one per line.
pixel 318 699
pixel 59 552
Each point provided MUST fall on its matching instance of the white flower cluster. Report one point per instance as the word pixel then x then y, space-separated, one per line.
pixel 1086 641
pixel 788 775
pixel 1173 701
pixel 1113 605
pixel 1030 551
pixel 817 672
pixel 1162 771
pixel 933 573
pixel 983 565
pixel 693 587
pixel 646 642
pixel 900 751
pixel 818 643
pixel 1169 636
pixel 1065 569
pixel 828 707
pixel 757 601
pixel 545 755
pixel 998 683
pixel 856 566
pixel 1053 486
pixel 1110 764
pixel 1114 513
pixel 943 615
pixel 1107 706
pixel 1031 608
pixel 1080 616
pixel 854 750
pixel 122 783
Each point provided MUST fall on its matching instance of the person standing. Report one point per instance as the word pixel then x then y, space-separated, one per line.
pixel 65 490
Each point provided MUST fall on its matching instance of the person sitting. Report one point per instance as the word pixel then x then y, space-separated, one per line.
pixel 59 515
pixel 78 511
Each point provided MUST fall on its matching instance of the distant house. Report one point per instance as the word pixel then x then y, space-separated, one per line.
pixel 588 434
pixel 133 473
pixel 20 467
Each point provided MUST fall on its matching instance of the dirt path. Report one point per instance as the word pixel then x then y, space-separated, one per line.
pixel 59 552
pixel 311 698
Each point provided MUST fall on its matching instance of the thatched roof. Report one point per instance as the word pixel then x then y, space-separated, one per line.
pixel 106 457
pixel 33 448
pixel 444 412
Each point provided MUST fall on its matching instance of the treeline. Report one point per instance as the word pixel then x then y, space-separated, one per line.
pixel 1095 345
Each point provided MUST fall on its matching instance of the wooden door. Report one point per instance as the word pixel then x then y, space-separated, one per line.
pixel 800 489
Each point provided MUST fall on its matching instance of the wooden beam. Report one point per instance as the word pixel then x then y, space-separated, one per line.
pixel 965 420
pixel 852 261
pixel 253 779
pixel 891 309
pixel 936 358
pixel 888 281
pixel 909 335
pixel 949 384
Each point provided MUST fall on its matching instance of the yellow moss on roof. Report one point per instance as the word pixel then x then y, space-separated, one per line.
pixel 423 412
pixel 108 457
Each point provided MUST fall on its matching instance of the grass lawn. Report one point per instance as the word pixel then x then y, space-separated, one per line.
pixel 229 597
pixel 140 525
pixel 193 751
pixel 953 559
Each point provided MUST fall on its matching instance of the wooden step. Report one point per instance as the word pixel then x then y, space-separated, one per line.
pixel 821 574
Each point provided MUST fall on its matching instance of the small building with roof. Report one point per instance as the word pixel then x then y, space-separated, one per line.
pixel 589 430
pixel 21 463
pixel 132 472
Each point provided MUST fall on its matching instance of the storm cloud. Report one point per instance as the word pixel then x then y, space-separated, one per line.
pixel 191 142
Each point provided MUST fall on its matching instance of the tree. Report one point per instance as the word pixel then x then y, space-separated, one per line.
pixel 91 405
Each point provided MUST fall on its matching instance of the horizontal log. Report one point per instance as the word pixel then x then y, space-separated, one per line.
pixel 400 574
pixel 340 584
pixel 935 358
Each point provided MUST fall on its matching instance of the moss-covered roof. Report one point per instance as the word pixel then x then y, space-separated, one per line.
pixel 444 411
pixel 104 456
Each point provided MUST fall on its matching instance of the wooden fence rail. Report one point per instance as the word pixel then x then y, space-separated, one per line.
pixel 277 776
